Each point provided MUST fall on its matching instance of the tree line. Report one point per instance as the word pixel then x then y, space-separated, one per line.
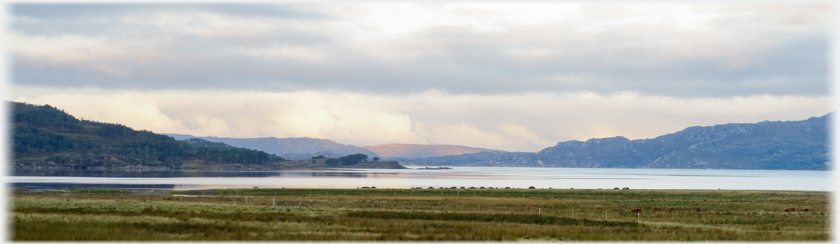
pixel 45 135
pixel 348 160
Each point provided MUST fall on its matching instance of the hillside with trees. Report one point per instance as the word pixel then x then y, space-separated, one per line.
pixel 44 136
pixel 768 145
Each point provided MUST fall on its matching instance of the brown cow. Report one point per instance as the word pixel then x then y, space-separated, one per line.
pixel 655 208
pixel 805 210
pixel 636 210
pixel 789 210
pixel 698 210
pixel 670 209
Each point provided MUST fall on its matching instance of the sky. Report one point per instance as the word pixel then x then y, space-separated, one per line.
pixel 500 75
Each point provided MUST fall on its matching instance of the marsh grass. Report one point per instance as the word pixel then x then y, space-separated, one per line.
pixel 420 215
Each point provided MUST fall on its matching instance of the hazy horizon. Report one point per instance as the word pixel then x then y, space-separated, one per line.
pixel 394 143
pixel 507 76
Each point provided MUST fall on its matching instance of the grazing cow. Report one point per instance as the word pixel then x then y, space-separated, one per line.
pixel 789 210
pixel 636 210
pixel 670 209
pixel 805 210
pixel 655 208
pixel 698 210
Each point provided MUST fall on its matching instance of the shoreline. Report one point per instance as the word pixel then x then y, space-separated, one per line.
pixel 446 190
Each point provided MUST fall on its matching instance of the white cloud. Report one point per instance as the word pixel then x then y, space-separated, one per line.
pixel 515 122
pixel 58 49
pixel 481 48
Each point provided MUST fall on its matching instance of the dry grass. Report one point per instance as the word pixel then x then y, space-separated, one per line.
pixel 421 215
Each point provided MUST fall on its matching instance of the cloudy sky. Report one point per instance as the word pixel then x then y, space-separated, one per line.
pixel 510 76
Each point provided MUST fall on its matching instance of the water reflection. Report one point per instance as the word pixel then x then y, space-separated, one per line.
pixel 192 173
pixel 66 186
pixel 558 178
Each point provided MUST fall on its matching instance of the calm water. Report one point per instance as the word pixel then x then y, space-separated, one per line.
pixel 579 178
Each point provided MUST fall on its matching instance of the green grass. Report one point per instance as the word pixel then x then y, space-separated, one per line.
pixel 419 215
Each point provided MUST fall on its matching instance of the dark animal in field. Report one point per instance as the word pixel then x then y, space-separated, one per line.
pixel 636 210
pixel 789 210
pixel 698 210
pixel 670 209
pixel 655 208
pixel 805 210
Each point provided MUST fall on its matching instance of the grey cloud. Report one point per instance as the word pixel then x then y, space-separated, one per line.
pixel 67 11
pixel 270 11
pixel 102 20
pixel 81 10
pixel 452 59
pixel 617 62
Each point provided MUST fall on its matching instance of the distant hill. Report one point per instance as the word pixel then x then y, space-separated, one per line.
pixel 205 143
pixel 790 145
pixel 289 148
pixel 409 151
pixel 450 160
pixel 44 136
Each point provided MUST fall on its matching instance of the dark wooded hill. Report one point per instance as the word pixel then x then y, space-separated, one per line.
pixel 45 136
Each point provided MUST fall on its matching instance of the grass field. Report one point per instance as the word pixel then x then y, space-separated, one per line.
pixel 419 215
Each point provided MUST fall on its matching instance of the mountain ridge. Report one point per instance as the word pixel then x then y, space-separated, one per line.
pixel 797 145
pixel 295 148
pixel 411 151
